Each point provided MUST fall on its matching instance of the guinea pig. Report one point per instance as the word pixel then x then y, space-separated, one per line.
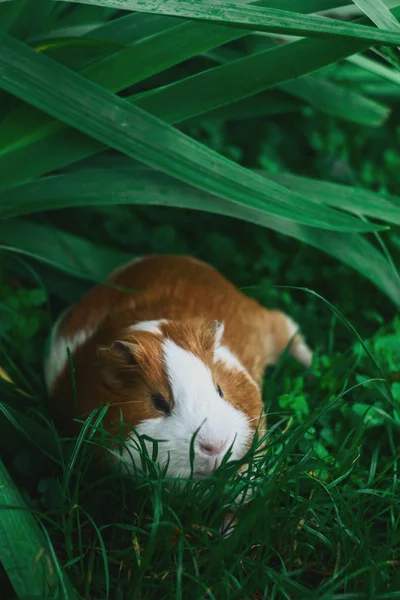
pixel 179 353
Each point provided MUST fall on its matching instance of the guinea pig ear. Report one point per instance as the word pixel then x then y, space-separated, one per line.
pixel 118 361
pixel 217 328
pixel 124 351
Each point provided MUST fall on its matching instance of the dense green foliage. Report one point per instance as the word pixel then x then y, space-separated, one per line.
pixel 130 133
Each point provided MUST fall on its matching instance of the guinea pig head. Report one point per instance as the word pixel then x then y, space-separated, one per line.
pixel 177 383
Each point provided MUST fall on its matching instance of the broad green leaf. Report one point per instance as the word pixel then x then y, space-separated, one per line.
pixel 60 250
pixel 379 13
pixel 143 25
pixel 106 44
pixel 255 18
pixel 328 97
pixel 337 100
pixel 357 201
pixel 130 28
pixel 9 13
pixel 81 13
pixel 270 102
pixel 24 550
pixel 17 428
pixel 236 80
pixel 142 186
pixel 113 121
pixel 30 18
pixel 120 30
pixel 157 53
pixel 130 184
pixel 373 66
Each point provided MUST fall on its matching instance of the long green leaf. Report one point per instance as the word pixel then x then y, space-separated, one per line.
pixel 270 102
pixel 357 201
pixel 60 250
pixel 142 186
pixel 112 120
pixel 127 184
pixel 9 13
pixel 379 13
pixel 316 91
pixel 375 68
pixel 338 101
pixel 111 46
pixel 26 556
pixel 120 30
pixel 17 428
pixel 236 80
pixel 26 21
pixel 327 96
pixel 255 18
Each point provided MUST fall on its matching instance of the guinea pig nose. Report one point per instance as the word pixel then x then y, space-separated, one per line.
pixel 213 448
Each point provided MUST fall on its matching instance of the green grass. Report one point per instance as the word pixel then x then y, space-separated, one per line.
pixel 280 167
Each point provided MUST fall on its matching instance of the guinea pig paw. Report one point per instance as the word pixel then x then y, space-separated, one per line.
pixel 228 525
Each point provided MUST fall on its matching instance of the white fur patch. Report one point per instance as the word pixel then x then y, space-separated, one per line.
pixel 299 349
pixel 150 326
pixel 58 357
pixel 197 407
pixel 218 334
pixel 223 354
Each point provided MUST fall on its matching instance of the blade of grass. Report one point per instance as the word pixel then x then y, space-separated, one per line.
pixel 256 18
pixel 352 329
pixel 25 553
pixel 120 30
pixel 126 128
pixel 379 13
pixel 375 67
pixel 337 101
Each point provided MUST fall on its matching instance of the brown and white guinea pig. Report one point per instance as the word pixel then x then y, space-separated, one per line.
pixel 185 354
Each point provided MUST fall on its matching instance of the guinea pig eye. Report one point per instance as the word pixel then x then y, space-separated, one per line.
pixel 220 392
pixel 161 404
